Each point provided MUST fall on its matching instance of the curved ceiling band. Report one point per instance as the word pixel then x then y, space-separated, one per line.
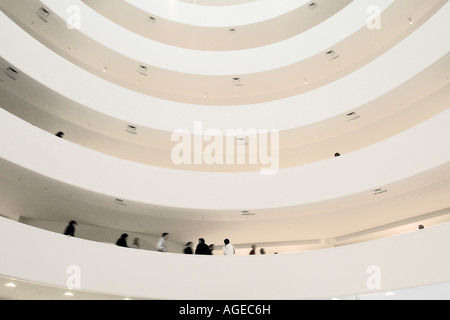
pixel 281 114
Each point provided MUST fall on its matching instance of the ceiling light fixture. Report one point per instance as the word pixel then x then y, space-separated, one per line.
pixel 378 191
pixel 43 14
pixel 142 70
pixel 11 72
pixel 352 116
pixel 237 82
pixel 410 21
pixel 242 140
pixel 131 129
pixel 120 201
pixel 331 54
pixel 389 293
pixel 70 294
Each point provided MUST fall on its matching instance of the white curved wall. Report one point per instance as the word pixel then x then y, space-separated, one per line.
pixel 391 160
pixel 396 262
pixel 372 81
pixel 397 158
pixel 232 63
pixel 224 16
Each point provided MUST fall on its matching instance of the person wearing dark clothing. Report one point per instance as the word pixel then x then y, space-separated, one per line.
pixel 202 247
pixel 70 229
pixel 122 241
pixel 188 248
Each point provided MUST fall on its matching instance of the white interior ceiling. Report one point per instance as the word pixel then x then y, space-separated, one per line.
pixel 268 91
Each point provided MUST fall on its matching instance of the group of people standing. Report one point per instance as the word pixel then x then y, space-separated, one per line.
pixel 203 248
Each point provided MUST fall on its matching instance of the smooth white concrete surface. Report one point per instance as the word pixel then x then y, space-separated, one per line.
pixel 392 160
pixel 418 258
pixel 370 82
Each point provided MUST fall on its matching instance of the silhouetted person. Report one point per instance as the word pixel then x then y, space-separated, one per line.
pixel 122 241
pixel 188 248
pixel 228 248
pixel 253 251
pixel 262 251
pixel 421 226
pixel 70 229
pixel 60 134
pixel 202 247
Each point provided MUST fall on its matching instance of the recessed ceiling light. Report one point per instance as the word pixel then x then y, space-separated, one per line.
pixel 131 129
pixel 237 82
pixel 142 70
pixel 389 293
pixel 10 285
pixel 43 14
pixel 242 140
pixel 120 201
pixel 410 21
pixel 11 72
pixel 378 191
pixel 69 294
pixel 331 54
pixel 352 116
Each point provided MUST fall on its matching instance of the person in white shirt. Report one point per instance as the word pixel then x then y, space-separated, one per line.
pixel 161 246
pixel 228 248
